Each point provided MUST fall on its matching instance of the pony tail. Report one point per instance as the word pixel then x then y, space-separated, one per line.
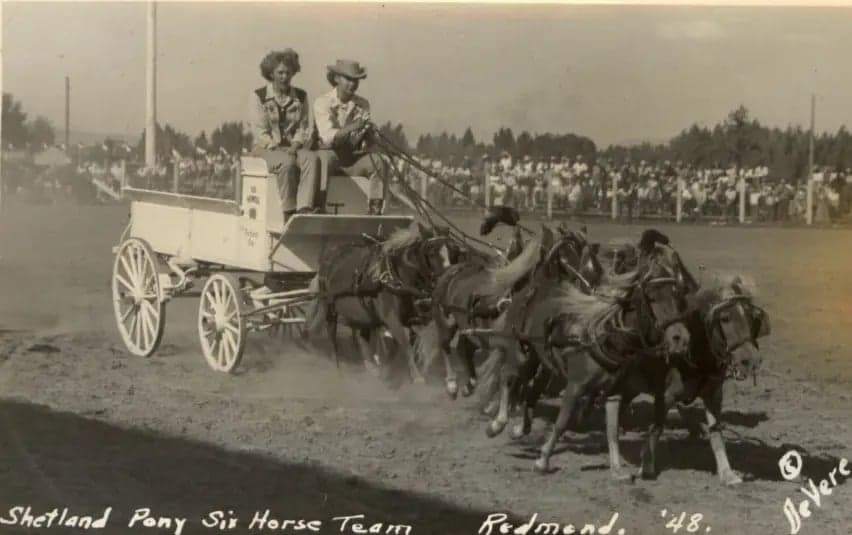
pixel 427 346
pixel 489 373
pixel 503 278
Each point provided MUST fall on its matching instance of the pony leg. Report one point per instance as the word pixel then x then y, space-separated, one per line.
pixel 542 464
pixel 399 333
pixel 331 325
pixel 649 452
pixel 713 411
pixel 540 377
pixel 368 356
pixel 496 426
pixel 465 350
pixel 613 409
pixel 451 378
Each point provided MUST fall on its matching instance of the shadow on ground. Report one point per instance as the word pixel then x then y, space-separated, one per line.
pixel 52 459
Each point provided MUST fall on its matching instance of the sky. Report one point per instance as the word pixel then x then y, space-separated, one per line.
pixel 612 73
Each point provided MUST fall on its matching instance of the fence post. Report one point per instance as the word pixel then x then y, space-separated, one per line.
pixel 615 196
pixel 487 190
pixel 176 176
pixel 809 209
pixel 123 175
pixel 742 189
pixel 679 200
pixel 549 200
pixel 424 185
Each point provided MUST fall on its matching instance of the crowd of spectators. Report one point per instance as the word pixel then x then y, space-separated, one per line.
pixel 575 185
pixel 643 189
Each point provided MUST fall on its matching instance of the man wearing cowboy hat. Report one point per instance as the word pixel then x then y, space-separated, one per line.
pixel 344 126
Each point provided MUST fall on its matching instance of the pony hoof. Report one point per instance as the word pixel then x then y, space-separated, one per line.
pixel 730 479
pixel 418 380
pixel 619 474
pixel 647 474
pixel 518 431
pixel 452 390
pixel 373 370
pixel 467 390
pixel 492 430
pixel 541 466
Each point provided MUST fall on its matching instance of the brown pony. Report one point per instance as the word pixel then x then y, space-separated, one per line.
pixel 724 325
pixel 374 287
pixel 472 294
pixel 635 317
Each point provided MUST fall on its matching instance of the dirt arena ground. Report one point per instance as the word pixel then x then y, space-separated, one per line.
pixel 86 426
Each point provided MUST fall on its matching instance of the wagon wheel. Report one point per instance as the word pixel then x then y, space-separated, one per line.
pixel 139 310
pixel 222 322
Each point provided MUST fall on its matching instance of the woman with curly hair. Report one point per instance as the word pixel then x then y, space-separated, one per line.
pixel 282 126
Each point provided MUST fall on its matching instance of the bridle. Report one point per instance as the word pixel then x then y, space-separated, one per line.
pixel 646 307
pixel 719 345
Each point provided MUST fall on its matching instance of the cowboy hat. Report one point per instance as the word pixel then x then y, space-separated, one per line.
pixel 499 214
pixel 346 67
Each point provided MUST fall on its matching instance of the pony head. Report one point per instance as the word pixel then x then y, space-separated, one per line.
pixel 733 324
pixel 659 298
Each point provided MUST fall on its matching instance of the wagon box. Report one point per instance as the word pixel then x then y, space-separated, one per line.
pixel 238 244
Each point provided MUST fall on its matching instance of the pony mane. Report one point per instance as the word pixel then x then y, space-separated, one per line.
pixel 722 286
pixel 400 239
pixel 617 285
pixel 501 278
pixel 588 312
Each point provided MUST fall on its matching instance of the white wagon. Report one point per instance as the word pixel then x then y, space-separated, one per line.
pixel 257 268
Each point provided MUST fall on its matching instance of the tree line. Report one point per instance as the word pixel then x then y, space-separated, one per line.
pixel 737 140
pixel 18 132
pixel 740 140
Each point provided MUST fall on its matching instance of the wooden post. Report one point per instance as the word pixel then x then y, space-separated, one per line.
pixel 742 189
pixel 615 195
pixel 123 174
pixel 487 187
pixel 238 183
pixel 151 86
pixel 550 200
pixel 809 210
pixel 679 200
pixel 176 175
pixel 424 184
pixel 67 114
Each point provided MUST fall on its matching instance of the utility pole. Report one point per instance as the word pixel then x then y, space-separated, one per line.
pixel 67 114
pixel 809 211
pixel 151 86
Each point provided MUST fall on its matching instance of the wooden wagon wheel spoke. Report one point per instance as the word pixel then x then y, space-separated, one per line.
pixel 150 308
pixel 124 282
pixel 133 320
pixel 146 326
pixel 207 302
pixel 217 296
pixel 136 263
pixel 232 329
pixel 137 330
pixel 220 353
pixel 126 314
pixel 127 271
pixel 230 344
